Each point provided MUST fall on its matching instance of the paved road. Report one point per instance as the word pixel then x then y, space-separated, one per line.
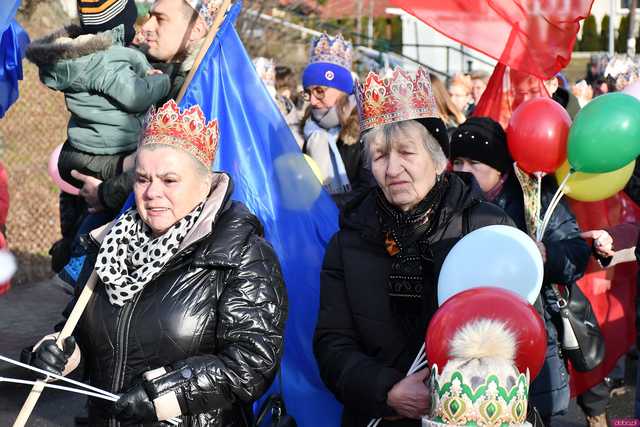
pixel 27 312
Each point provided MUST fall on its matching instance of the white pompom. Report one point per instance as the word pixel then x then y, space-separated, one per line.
pixel 7 265
pixel 483 338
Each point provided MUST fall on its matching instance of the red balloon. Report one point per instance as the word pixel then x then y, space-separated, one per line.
pixel 495 304
pixel 537 135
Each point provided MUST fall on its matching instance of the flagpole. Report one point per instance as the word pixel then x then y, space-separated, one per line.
pixel 203 49
pixel 69 326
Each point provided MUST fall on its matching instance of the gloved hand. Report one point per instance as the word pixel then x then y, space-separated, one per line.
pixel 134 406
pixel 49 357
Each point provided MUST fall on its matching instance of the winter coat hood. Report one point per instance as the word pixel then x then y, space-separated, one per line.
pixel 70 43
pixel 58 54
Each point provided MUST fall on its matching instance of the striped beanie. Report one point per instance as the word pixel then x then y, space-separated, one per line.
pixel 102 15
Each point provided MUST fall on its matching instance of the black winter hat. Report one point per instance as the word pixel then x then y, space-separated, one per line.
pixel 438 130
pixel 482 139
pixel 102 15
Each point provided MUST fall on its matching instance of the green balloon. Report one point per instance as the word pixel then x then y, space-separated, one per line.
pixel 605 135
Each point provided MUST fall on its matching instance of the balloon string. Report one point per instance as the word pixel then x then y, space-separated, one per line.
pixel 539 203
pixel 60 387
pixel 418 363
pixel 173 421
pixel 58 377
pixel 552 206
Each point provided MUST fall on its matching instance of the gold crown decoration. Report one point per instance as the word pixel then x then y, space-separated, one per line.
pixel 398 97
pixel 334 50
pixel 207 9
pixel 187 130
pixel 489 401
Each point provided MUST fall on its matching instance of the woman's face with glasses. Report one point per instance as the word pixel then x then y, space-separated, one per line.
pixel 321 97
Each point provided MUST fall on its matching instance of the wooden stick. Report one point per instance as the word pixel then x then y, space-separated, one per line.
pixel 203 49
pixel 68 328
pixel 60 387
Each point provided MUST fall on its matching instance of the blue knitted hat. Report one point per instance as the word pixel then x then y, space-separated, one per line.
pixel 329 64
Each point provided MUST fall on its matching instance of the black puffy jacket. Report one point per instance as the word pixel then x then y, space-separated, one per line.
pixel 214 319
pixel 361 349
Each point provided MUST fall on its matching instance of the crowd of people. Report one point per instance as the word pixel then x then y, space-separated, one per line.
pixel 188 316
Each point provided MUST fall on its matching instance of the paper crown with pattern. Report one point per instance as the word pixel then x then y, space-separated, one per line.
pixel 187 130
pixel 398 97
pixel 333 50
pixel 207 9
pixel 462 400
pixel 480 386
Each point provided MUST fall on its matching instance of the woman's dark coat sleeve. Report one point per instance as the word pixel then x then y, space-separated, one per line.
pixel 252 311
pixel 355 378
pixel 567 252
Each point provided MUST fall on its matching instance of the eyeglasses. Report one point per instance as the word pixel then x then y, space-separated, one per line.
pixel 318 92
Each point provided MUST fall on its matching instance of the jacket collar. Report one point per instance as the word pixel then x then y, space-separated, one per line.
pixel 360 214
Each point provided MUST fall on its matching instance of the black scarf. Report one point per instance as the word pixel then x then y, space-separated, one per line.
pixel 406 240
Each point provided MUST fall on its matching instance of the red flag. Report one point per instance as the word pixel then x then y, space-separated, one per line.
pixel 532 36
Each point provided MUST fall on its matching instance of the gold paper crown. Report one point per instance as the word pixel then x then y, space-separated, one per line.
pixel 332 50
pixel 207 9
pixel 187 130
pixel 400 97
pixel 461 401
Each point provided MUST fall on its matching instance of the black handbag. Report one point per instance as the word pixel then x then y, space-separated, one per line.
pixel 279 417
pixel 580 337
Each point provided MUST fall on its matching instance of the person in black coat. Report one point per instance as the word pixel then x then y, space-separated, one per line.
pixel 187 317
pixel 479 146
pixel 379 277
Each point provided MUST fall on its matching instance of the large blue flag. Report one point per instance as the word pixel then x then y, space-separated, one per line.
pixel 273 179
pixel 13 42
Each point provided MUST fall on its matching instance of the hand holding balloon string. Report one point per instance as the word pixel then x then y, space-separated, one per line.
pixel 602 242
pixel 407 396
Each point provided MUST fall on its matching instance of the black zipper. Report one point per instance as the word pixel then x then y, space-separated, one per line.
pixel 120 356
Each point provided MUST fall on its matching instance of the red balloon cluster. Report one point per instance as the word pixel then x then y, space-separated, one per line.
pixel 537 135
pixel 489 303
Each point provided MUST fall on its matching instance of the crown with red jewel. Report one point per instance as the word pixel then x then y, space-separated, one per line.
pixel 334 50
pixel 398 97
pixel 187 130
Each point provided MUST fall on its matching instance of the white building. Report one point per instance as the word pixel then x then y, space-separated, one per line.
pixel 601 8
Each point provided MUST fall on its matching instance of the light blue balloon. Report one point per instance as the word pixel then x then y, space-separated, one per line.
pixel 496 256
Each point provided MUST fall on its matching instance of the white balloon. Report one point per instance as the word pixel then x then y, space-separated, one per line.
pixel 7 265
pixel 496 255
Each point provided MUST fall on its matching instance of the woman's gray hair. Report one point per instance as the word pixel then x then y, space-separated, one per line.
pixel 202 171
pixel 393 131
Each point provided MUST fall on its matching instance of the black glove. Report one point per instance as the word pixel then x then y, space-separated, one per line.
pixel 134 406
pixel 49 357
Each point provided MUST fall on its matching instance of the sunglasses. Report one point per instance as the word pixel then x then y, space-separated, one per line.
pixel 317 92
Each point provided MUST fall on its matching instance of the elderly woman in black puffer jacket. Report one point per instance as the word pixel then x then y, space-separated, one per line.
pixel 188 316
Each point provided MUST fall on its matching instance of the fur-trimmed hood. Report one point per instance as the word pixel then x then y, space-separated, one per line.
pixel 51 49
